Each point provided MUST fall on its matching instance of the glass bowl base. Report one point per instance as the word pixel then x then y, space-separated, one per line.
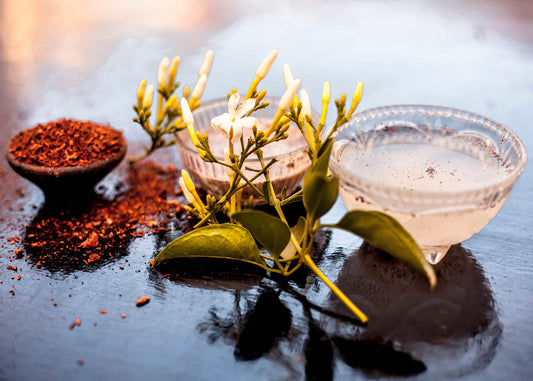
pixel 434 254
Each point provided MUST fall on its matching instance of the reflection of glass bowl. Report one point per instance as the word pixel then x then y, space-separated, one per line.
pixel 291 155
pixel 442 173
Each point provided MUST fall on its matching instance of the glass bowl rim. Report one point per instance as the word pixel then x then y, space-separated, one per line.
pixel 443 111
pixel 217 102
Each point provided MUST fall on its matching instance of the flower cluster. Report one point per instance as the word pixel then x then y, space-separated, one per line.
pixel 170 116
pixel 284 247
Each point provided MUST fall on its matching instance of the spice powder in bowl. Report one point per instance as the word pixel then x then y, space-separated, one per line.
pixel 66 156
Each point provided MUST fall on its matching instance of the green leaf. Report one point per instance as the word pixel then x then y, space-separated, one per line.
pixel 321 164
pixel 266 191
pixel 298 231
pixel 385 233
pixel 319 194
pixel 296 197
pixel 320 191
pixel 225 241
pixel 272 233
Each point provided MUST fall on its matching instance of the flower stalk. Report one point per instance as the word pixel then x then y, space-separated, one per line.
pixel 169 113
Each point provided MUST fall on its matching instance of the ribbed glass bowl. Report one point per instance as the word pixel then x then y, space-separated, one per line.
pixel 292 159
pixel 442 173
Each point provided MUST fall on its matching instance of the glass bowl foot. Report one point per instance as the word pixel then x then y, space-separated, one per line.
pixel 434 254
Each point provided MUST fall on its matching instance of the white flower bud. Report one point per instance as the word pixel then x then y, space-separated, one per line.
pixel 199 87
pixel 306 103
pixel 287 75
pixel 206 65
pixel 140 92
pixel 264 67
pixel 148 97
pixel 326 92
pixel 188 181
pixel 186 112
pixel 162 73
pixel 173 70
pixel 188 195
pixel 287 98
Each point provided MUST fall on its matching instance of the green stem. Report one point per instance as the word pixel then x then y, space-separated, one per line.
pixel 294 196
pixel 306 258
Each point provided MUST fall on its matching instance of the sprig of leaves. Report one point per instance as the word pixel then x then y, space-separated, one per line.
pixel 288 247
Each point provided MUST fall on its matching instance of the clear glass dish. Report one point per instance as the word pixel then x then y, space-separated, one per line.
pixel 442 173
pixel 292 159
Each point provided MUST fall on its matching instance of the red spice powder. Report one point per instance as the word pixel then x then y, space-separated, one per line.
pixel 84 235
pixel 66 143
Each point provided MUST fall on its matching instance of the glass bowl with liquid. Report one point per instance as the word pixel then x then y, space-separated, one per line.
pixel 442 173
pixel 291 153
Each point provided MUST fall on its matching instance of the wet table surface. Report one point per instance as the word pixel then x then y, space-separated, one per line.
pixel 85 61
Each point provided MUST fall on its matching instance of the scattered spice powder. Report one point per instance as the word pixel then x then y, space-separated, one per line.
pixel 92 232
pixel 66 143
pixel 431 171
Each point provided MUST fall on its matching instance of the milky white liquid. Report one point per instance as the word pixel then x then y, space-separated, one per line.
pixel 433 169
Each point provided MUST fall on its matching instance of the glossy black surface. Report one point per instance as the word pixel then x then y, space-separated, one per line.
pixel 206 322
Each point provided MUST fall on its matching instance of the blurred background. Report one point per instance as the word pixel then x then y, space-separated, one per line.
pixel 60 56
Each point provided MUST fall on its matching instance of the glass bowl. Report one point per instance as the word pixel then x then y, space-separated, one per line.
pixel 442 173
pixel 291 153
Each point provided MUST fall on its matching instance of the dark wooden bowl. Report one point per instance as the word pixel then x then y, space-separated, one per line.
pixel 67 182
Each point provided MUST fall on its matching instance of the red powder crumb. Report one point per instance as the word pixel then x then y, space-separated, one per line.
pixel 92 241
pixel 9 267
pixel 75 323
pixel 66 143
pixel 123 315
pixel 103 311
pixel 142 301
pixel 13 240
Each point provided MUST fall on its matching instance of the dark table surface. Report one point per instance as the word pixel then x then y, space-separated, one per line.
pixel 85 61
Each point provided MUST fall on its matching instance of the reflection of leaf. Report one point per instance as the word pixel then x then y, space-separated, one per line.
pixel 375 356
pixel 226 241
pixel 320 192
pixel 269 320
pixel 318 350
pixel 298 231
pixel 385 233
pixel 272 233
